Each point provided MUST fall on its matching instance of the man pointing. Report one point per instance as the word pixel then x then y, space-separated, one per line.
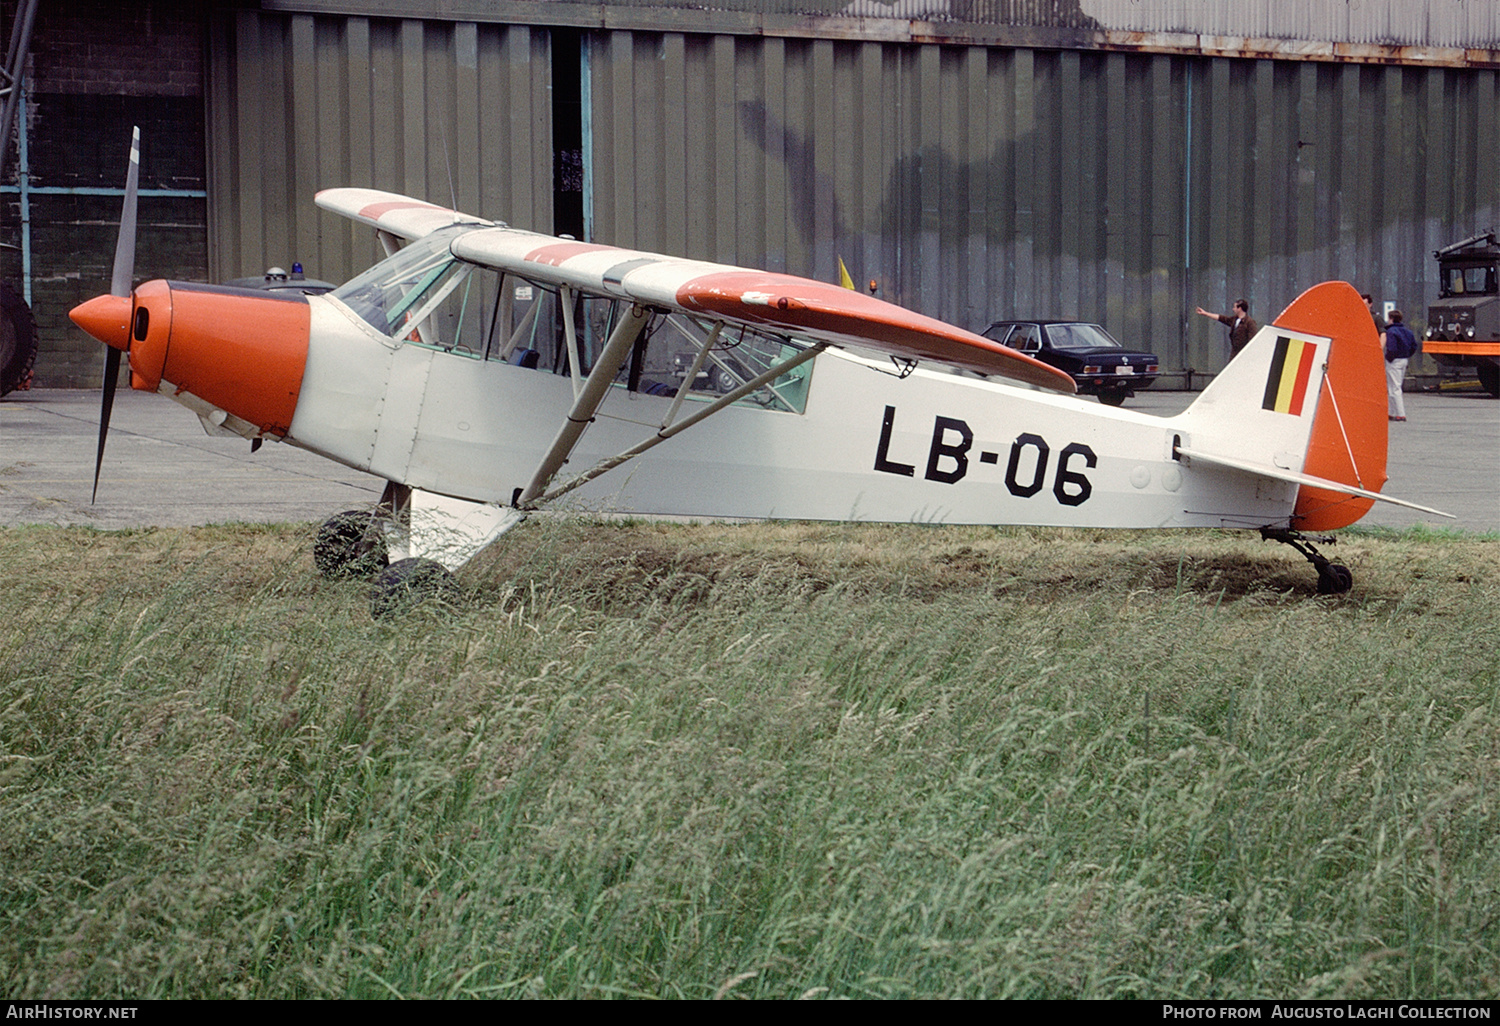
pixel 1242 327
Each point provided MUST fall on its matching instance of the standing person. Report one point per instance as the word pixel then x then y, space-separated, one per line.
pixel 1242 327
pixel 1379 325
pixel 1400 346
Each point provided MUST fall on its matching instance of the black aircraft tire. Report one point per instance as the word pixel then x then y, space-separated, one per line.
pixel 1113 396
pixel 405 583
pixel 349 544
pixel 1334 579
pixel 17 341
pixel 1489 377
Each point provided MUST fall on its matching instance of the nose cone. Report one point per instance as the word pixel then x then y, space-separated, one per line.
pixel 106 318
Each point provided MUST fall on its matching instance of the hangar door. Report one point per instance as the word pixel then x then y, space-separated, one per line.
pixel 434 109
pixel 970 182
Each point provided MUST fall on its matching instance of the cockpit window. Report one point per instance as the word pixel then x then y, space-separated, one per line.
pixel 423 295
pixel 401 296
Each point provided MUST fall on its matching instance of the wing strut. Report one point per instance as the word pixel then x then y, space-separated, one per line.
pixel 616 349
pixel 668 430
pixel 575 369
pixel 692 374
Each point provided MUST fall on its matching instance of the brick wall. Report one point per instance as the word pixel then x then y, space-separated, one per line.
pixel 95 70
pixel 118 49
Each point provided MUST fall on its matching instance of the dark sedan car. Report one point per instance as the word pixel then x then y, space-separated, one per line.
pixel 1099 364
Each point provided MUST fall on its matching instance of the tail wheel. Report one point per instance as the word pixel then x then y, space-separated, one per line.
pixel 1113 396
pixel 17 342
pixel 1334 579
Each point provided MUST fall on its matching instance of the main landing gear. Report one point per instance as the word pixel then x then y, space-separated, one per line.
pixel 1333 578
pixel 357 544
pixel 351 544
pixel 405 583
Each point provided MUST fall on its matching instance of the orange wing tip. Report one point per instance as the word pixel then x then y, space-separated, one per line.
pixel 848 318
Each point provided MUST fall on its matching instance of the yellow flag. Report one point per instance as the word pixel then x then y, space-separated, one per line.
pixel 844 279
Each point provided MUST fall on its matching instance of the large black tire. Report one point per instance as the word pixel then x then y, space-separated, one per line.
pixel 1113 396
pixel 1334 579
pixel 350 544
pixel 17 341
pixel 405 583
pixel 1489 377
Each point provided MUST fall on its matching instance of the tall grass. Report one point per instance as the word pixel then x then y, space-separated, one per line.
pixel 751 761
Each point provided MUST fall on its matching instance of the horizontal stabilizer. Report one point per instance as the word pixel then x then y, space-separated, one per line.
pixel 1266 470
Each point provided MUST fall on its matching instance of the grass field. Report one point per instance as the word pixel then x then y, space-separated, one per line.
pixel 752 761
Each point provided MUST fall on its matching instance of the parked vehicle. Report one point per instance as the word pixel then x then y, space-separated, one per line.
pixel 277 280
pixel 1098 364
pixel 1463 326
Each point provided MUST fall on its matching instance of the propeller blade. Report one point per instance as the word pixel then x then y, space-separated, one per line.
pixel 111 377
pixel 120 282
pixel 125 247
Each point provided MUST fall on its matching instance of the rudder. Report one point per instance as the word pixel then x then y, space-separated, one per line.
pixel 1349 433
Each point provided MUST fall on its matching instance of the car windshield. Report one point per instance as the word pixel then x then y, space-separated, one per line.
pixel 1079 336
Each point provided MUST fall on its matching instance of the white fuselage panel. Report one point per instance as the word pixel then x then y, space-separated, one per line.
pixel 929 447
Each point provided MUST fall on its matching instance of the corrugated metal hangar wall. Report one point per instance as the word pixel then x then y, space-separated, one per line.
pixel 970 181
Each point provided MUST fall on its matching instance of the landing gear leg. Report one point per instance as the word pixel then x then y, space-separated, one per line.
pixel 1333 578
pixel 394 512
pixel 408 580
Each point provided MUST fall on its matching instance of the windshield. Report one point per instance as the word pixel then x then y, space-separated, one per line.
pixel 1463 281
pixel 1080 336
pixel 396 296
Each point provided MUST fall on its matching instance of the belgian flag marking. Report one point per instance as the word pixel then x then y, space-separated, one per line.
pixel 1291 366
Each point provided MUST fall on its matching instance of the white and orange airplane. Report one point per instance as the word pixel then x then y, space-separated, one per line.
pixel 488 372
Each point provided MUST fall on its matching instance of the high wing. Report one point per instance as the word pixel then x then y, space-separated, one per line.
pixel 779 303
pixel 401 216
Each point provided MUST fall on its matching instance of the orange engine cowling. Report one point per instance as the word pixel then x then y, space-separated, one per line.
pixel 241 350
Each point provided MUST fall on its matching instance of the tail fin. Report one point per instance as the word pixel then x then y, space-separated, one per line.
pixel 1304 402
pixel 1348 441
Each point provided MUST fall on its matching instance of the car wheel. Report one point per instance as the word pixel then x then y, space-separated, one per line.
pixel 721 381
pixel 1489 377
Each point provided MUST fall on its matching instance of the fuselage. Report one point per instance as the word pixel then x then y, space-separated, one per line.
pixel 869 444
pixel 500 366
